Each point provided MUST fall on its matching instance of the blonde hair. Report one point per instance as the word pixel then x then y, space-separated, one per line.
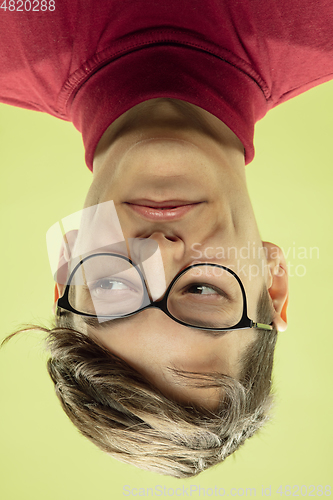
pixel 128 418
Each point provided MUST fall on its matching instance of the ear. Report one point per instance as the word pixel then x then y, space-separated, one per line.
pixel 278 284
pixel 60 277
pixel 58 292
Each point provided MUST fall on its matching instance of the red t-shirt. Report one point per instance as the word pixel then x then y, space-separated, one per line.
pixel 89 62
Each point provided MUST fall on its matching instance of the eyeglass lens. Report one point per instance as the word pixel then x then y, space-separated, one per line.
pixel 106 285
pixel 206 296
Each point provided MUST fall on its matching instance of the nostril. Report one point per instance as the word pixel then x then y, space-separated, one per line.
pixel 159 236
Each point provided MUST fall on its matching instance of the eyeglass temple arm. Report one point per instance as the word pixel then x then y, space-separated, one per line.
pixel 262 326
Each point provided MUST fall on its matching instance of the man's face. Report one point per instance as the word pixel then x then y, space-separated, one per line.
pixel 196 173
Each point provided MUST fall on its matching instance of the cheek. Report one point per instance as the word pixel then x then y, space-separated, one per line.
pixel 93 194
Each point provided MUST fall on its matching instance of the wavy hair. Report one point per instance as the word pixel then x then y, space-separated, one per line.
pixel 123 414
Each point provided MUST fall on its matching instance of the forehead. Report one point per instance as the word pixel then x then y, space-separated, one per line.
pixel 177 362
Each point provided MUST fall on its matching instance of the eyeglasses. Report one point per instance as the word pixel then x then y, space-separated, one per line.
pixel 203 296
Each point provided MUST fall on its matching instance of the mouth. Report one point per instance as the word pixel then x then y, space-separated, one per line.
pixel 162 211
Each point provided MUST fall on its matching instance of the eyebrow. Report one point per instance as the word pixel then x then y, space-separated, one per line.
pixel 94 323
pixel 214 333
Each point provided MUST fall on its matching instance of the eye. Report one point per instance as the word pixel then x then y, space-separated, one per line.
pixel 111 284
pixel 107 285
pixel 200 289
pixel 207 290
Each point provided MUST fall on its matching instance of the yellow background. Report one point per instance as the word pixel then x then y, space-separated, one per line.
pixel 44 178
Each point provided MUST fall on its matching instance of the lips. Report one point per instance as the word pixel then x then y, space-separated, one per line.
pixel 162 211
pixel 161 204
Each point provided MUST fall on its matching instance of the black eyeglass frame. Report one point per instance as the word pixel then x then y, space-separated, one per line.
pixel 244 323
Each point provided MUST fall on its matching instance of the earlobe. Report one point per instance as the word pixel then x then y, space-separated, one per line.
pixel 58 292
pixel 278 284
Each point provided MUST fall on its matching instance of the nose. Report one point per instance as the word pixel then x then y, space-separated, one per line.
pixel 172 249
pixel 160 255
pixel 168 241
